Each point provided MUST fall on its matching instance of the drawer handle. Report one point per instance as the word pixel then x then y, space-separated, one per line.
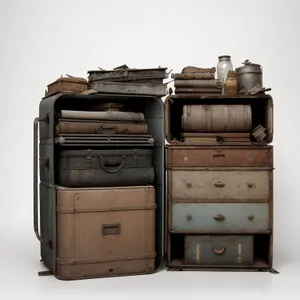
pixel 188 185
pixel 219 184
pixel 219 217
pixel 250 185
pixel 218 252
pixel 189 217
pixel 111 229
pixel 250 218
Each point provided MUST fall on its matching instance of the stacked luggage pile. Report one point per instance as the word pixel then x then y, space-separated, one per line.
pixel 128 81
pixel 103 164
pixel 197 80
pixel 106 168
pixel 220 177
pixel 104 176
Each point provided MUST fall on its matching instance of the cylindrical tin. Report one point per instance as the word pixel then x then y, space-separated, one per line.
pixel 216 118
pixel 249 76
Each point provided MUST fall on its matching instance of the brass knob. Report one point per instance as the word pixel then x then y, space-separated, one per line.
pixel 188 185
pixel 250 217
pixel 219 217
pixel 189 217
pixel 219 184
pixel 250 185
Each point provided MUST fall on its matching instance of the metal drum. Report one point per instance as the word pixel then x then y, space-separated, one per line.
pixel 216 118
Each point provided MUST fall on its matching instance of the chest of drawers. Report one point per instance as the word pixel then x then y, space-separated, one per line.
pixel 219 207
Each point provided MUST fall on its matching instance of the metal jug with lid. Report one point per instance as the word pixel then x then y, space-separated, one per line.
pixel 249 76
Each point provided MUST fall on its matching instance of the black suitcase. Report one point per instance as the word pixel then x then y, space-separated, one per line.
pixel 105 168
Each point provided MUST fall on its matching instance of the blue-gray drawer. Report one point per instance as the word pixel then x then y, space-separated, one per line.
pixel 220 218
pixel 218 250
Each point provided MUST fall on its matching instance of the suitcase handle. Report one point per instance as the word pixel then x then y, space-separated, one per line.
pixel 35 180
pixel 112 164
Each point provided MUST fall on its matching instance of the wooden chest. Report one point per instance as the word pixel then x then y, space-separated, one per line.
pixel 219 206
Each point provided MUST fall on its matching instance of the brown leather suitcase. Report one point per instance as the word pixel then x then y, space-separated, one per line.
pixel 104 232
pixel 81 127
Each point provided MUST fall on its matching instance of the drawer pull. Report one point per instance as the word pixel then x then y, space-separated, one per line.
pixel 189 217
pixel 250 217
pixel 219 184
pixel 111 229
pixel 188 185
pixel 219 217
pixel 250 185
pixel 218 252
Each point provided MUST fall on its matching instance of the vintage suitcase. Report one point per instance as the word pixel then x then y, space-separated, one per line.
pixel 261 111
pixel 198 83
pixel 154 75
pixel 67 84
pixel 54 255
pixel 67 126
pixel 154 89
pixel 219 250
pixel 102 232
pixel 90 168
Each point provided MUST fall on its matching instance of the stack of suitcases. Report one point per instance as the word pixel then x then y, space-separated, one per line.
pixel 116 200
pixel 99 189
pixel 219 181
pixel 194 80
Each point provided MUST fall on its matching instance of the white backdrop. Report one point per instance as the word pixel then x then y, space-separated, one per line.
pixel 41 40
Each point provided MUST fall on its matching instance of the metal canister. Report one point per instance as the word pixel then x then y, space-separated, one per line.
pixel 216 118
pixel 249 76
